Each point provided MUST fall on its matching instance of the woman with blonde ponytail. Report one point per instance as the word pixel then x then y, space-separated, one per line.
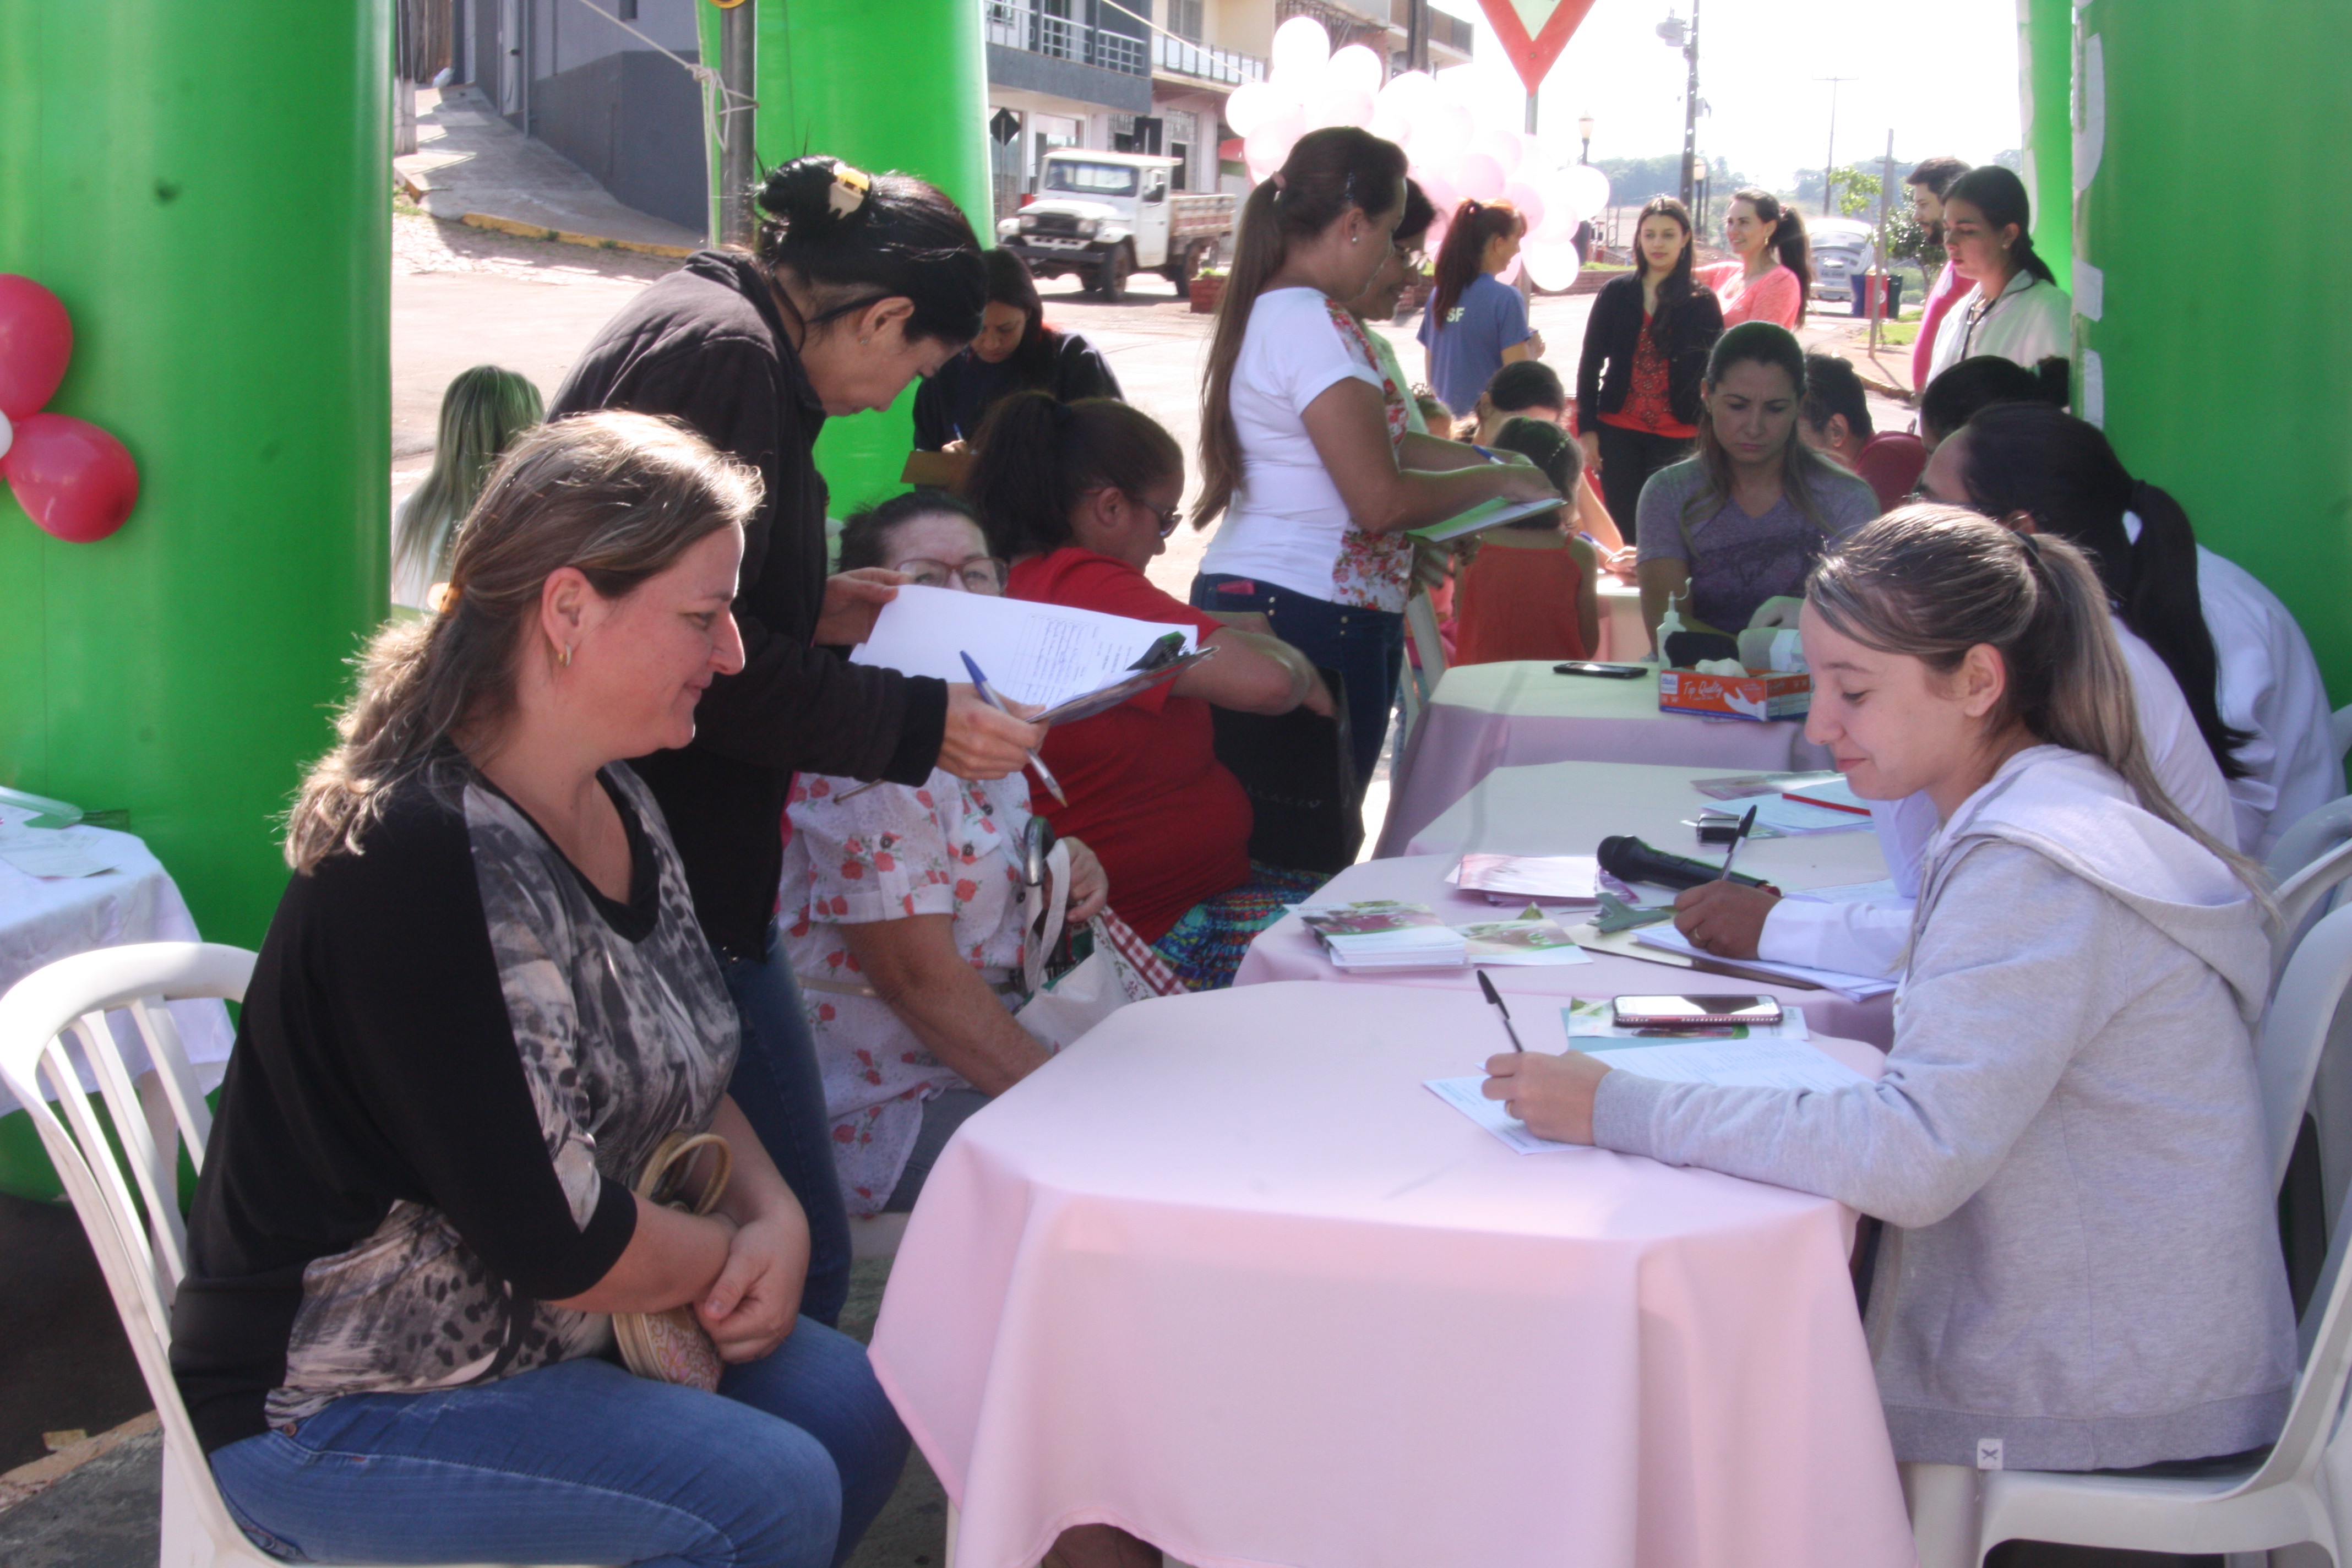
pixel 2080 1268
pixel 483 1007
pixel 1306 448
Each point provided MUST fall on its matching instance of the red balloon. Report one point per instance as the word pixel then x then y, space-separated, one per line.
pixel 36 342
pixel 71 476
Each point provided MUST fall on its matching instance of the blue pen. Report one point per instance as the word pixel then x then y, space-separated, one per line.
pixel 980 684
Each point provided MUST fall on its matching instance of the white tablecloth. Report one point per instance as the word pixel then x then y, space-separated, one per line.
pixel 1226 1275
pixel 1623 639
pixel 43 918
pixel 1486 716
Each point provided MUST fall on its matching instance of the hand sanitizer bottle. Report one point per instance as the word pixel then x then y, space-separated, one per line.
pixel 1668 625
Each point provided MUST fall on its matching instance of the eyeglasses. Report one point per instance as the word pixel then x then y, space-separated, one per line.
pixel 1169 517
pixel 980 574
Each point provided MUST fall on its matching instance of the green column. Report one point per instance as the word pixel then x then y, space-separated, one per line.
pixel 208 189
pixel 2221 369
pixel 2046 67
pixel 895 84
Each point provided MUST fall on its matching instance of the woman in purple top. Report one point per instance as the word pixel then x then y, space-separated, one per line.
pixel 1476 323
pixel 1746 520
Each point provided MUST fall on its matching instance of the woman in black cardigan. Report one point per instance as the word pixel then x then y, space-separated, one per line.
pixel 1015 351
pixel 1653 329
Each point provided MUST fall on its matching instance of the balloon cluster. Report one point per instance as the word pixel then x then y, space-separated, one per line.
pixel 71 476
pixel 1455 128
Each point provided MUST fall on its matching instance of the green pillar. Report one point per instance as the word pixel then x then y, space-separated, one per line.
pixel 2216 362
pixel 2046 68
pixel 893 84
pixel 208 189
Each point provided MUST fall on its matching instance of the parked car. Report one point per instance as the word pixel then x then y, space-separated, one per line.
pixel 1106 215
pixel 1841 249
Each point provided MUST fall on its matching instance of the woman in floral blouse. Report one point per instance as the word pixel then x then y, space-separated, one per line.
pixel 902 913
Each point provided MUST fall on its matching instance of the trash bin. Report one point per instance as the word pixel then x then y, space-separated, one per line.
pixel 1866 284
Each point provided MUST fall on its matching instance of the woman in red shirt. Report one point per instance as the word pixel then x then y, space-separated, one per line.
pixel 1079 497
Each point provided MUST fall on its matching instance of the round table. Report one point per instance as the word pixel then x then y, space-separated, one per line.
pixel 1482 717
pixel 1623 639
pixel 1226 1274
pixel 43 918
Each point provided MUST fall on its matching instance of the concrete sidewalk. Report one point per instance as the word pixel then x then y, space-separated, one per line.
pixel 470 166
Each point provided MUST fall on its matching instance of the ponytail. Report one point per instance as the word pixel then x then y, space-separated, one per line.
pixel 1474 224
pixel 1932 581
pixel 853 240
pixel 1329 173
pixel 1035 459
pixel 1789 243
pixel 2029 458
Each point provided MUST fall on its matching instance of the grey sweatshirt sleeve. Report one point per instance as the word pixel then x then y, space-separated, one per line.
pixel 2018 965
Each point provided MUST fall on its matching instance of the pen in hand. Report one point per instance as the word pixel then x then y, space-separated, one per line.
pixel 1739 837
pixel 1496 998
pixel 980 684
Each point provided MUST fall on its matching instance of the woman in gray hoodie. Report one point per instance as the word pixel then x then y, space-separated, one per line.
pixel 2081 1269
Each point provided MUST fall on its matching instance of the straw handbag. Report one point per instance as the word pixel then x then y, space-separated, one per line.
pixel 670 1347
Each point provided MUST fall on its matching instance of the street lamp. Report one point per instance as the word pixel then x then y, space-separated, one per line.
pixel 1584 129
pixel 1677 34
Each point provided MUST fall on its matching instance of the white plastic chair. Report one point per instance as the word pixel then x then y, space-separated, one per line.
pixel 2303 897
pixel 2295 1029
pixel 2314 835
pixel 46 1019
pixel 1421 620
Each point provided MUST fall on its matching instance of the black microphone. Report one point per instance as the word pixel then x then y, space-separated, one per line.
pixel 1629 859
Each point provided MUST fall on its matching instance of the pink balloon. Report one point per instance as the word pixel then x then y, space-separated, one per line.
pixel 1440 192
pixel 1436 240
pixel 1551 267
pixel 1344 107
pixel 1561 215
pixel 1503 146
pixel 1510 275
pixel 1270 143
pixel 1476 176
pixel 1390 124
pixel 36 342
pixel 1528 200
pixel 1252 104
pixel 1408 88
pixel 71 476
pixel 1588 189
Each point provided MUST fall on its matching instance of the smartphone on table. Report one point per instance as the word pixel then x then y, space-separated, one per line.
pixel 1694 1011
pixel 1605 671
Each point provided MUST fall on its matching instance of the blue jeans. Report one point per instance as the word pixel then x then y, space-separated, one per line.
pixel 781 1093
pixel 581 1462
pixel 1366 646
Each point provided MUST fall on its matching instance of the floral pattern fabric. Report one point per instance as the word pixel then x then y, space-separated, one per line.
pixel 950 847
pixel 1373 572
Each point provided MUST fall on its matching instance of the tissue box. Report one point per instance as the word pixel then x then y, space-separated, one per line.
pixel 1760 694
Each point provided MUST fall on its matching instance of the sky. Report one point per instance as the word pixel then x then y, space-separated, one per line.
pixel 1943 77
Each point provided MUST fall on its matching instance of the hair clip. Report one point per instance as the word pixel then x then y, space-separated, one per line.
pixel 849 190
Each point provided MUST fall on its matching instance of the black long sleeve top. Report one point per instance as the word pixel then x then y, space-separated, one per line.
pixel 707 345
pixel 950 404
pixel 1685 332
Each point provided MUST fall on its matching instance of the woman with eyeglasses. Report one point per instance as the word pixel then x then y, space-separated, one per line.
pixel 903 912
pixel 1079 497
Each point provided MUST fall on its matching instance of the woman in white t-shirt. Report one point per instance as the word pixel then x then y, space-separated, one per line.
pixel 1304 445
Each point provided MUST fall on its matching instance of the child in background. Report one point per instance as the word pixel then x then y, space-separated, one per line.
pixel 1528 591
pixel 482 411
pixel 1434 413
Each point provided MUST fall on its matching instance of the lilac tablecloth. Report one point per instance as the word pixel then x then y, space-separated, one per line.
pixel 1226 1275
pixel 1486 716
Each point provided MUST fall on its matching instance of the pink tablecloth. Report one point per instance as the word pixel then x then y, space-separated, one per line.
pixel 1226 1275
pixel 1289 950
pixel 1486 716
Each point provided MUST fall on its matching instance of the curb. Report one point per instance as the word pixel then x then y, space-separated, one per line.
pixel 416 190
pixel 27 1481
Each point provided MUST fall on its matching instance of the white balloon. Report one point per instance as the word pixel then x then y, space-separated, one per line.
pixel 1300 45
pixel 1560 214
pixel 1441 194
pixel 1356 66
pixel 1252 104
pixel 1510 275
pixel 1409 88
pixel 1588 189
pixel 1458 84
pixel 1390 124
pixel 1441 132
pixel 1270 143
pixel 1344 107
pixel 1477 175
pixel 1505 147
pixel 1551 267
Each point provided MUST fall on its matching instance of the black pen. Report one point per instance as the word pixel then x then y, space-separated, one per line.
pixel 1496 998
pixel 1737 839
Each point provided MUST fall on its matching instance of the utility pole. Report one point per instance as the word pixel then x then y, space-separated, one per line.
pixel 1690 110
pixel 1416 37
pixel 737 29
pixel 1829 160
pixel 1878 300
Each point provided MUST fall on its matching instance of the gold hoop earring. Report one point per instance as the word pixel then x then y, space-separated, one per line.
pixel 564 656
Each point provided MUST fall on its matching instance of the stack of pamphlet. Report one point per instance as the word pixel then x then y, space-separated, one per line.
pixel 1385 933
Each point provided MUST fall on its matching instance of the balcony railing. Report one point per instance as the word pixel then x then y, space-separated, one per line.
pixel 1186 58
pixel 1018 25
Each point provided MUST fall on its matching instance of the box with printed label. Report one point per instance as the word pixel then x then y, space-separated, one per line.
pixel 1760 694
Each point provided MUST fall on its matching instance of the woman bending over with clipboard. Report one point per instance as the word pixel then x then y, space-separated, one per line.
pixel 2081 1266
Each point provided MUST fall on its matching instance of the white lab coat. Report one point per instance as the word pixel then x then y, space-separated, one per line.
pixel 2032 321
pixel 1870 938
pixel 2270 686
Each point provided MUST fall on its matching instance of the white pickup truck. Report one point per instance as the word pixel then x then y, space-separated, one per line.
pixel 1104 216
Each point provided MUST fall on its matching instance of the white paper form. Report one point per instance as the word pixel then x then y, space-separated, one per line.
pixel 1853 987
pixel 1031 652
pixel 1467 1096
pixel 1734 1064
